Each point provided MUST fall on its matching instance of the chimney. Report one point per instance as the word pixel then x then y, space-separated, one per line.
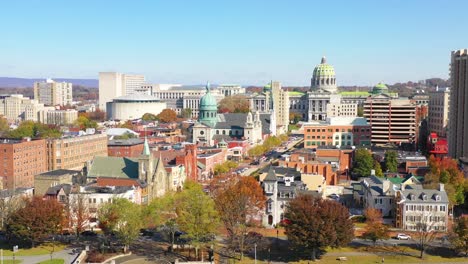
pixel 441 187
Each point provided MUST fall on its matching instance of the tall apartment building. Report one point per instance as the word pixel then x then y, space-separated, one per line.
pixel 74 152
pixel 22 159
pixel 342 131
pixel 50 92
pixel 15 107
pixel 391 120
pixel 458 117
pixel 439 111
pixel 115 84
pixel 280 99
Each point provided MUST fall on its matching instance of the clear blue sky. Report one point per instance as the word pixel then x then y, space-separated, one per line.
pixel 246 42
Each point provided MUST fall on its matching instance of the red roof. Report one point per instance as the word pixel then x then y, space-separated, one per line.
pixel 434 135
pixel 441 142
pixel 116 182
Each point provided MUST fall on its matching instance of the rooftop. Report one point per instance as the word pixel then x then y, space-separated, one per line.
pixel 340 121
pixel 125 142
pixel 59 172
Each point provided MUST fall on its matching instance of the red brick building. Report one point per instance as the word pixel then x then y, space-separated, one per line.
pixel 22 159
pixel 437 146
pixel 186 157
pixel 132 147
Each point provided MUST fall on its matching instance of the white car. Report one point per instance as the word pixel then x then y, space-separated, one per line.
pixel 403 237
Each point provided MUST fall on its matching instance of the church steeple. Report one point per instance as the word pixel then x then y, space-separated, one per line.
pixel 146 148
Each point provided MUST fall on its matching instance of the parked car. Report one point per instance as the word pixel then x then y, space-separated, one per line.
pixel 88 233
pixel 402 236
pixel 334 196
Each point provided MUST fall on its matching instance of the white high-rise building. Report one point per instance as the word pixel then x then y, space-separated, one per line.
pixel 115 84
pixel 50 92
pixel 18 108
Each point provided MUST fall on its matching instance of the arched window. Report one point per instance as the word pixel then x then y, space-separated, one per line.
pixel 270 219
pixel 224 132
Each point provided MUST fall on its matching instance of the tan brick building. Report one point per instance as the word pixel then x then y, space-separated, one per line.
pixel 22 159
pixel 343 131
pixel 73 152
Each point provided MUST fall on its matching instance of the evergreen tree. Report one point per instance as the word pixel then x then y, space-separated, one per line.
pixel 391 163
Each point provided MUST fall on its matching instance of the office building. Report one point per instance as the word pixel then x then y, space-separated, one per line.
pixel 280 107
pixel 60 117
pixel 22 159
pixel 391 120
pixel 337 131
pixel 341 109
pixel 114 84
pixel 53 93
pixel 15 107
pixel 458 117
pixel 74 152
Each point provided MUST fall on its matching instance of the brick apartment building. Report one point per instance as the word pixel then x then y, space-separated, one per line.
pixel 73 152
pixel 22 159
pixel 343 131
pixel 186 157
pixel 132 147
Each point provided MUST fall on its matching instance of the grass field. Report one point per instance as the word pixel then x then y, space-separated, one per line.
pixel 53 261
pixel 42 249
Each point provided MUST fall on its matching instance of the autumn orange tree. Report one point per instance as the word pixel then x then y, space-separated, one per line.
pixel 167 116
pixel 36 221
pixel 446 171
pixel 314 223
pixel 375 229
pixel 238 204
pixel 234 104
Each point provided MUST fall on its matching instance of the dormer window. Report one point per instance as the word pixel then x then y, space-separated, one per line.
pixel 437 197
pixel 412 197
pixel 424 197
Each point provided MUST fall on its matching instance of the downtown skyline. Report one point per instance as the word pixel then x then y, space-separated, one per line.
pixel 231 42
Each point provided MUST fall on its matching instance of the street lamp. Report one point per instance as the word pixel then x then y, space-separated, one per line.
pixel 255 252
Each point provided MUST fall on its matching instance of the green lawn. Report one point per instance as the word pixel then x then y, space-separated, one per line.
pixel 11 262
pixel 53 261
pixel 42 249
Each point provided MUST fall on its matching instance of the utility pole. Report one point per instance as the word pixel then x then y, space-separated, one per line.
pixel 255 252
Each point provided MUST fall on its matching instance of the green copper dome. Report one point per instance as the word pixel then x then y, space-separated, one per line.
pixel 208 102
pixel 324 69
pixel 380 88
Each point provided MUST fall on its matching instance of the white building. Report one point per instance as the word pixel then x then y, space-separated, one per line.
pixel 60 117
pixel 114 84
pixel 134 106
pixel 93 197
pixel 439 111
pixel 231 89
pixel 422 209
pixel 53 93
pixel 18 108
pixel 341 109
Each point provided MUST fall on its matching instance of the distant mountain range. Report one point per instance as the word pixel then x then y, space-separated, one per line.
pixel 11 82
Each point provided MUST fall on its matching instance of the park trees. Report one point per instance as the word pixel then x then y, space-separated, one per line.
pixel 123 218
pixel 149 117
pixel 459 236
pixel 161 214
pixel 187 113
pixel 167 116
pixel 391 163
pixel 363 162
pixel 256 151
pixel 315 223
pixel 77 213
pixel 34 130
pixel 446 171
pixel 238 204
pixel 37 220
pixel 375 229
pixel 196 215
pixel 83 122
pixel 225 167
pixel 234 104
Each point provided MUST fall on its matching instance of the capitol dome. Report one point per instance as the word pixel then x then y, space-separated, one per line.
pixel 380 88
pixel 323 77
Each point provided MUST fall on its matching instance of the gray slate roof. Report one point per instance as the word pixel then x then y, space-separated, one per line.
pixel 419 196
